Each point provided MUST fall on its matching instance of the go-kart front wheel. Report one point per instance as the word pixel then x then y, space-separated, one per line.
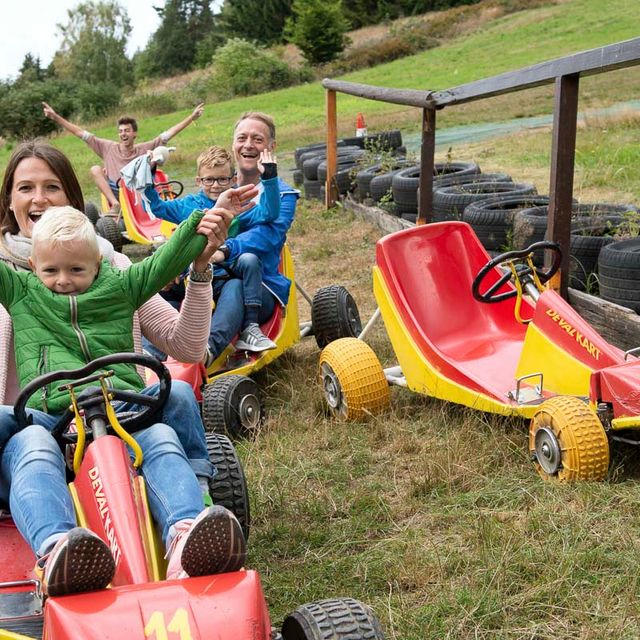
pixel 352 380
pixel 334 315
pixel 228 487
pixel 231 405
pixel 338 619
pixel 567 441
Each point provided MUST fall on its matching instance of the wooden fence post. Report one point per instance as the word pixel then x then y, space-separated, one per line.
pixel 427 153
pixel 563 151
pixel 331 188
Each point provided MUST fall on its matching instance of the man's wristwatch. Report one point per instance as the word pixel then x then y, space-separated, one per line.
pixel 201 276
pixel 225 251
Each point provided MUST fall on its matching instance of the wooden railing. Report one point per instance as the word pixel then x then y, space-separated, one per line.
pixel 564 72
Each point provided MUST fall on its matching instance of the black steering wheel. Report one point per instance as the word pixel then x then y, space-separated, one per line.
pixel 93 395
pixel 522 270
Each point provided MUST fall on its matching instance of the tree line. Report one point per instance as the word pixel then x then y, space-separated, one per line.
pixel 91 69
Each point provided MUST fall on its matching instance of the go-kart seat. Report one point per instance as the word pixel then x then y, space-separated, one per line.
pixel 428 271
pixel 140 224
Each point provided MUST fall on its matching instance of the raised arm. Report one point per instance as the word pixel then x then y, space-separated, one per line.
pixel 50 113
pixel 177 128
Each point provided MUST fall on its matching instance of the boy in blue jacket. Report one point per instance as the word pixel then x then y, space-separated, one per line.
pixel 215 174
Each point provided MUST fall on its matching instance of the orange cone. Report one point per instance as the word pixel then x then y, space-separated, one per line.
pixel 361 127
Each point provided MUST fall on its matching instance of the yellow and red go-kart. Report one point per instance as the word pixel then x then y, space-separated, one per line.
pixel 110 499
pixel 134 222
pixel 467 331
pixel 230 397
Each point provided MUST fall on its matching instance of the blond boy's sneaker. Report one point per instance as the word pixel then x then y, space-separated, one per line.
pixel 212 543
pixel 252 339
pixel 79 561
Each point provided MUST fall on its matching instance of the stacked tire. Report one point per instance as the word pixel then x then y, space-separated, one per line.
pixel 619 273
pixel 492 219
pixel 310 160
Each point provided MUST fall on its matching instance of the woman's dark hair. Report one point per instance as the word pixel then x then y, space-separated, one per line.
pixel 58 163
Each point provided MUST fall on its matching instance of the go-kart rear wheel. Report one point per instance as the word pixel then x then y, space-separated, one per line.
pixel 567 441
pixel 336 619
pixel 92 212
pixel 108 229
pixel 229 486
pixel 352 379
pixel 231 405
pixel 334 315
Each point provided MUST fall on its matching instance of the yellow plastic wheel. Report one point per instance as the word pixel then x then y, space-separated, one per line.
pixel 352 380
pixel 567 441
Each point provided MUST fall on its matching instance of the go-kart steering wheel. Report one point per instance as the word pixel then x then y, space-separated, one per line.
pixel 131 423
pixel 543 275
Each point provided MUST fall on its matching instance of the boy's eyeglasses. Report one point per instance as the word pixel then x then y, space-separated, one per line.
pixel 223 182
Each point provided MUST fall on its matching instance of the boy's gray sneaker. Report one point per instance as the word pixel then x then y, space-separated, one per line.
pixel 252 339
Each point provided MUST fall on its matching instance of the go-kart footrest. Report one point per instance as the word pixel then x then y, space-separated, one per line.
pixel 22 611
pixel 527 395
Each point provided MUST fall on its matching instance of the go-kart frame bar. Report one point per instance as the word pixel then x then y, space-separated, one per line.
pixel 564 73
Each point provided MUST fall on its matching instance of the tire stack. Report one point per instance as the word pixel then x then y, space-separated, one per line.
pixel 404 184
pixel 591 228
pixel 311 168
pixel 492 219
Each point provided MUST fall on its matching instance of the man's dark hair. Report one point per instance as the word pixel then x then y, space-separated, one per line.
pixel 128 120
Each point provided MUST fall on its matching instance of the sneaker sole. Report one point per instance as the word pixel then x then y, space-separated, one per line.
pixel 243 346
pixel 215 545
pixel 86 564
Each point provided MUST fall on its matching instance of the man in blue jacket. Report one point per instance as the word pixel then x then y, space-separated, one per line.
pixel 253 133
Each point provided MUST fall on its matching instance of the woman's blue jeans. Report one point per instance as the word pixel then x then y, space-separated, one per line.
pixel 231 296
pixel 33 476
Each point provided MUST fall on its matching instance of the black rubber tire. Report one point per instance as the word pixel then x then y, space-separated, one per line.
pixel 530 225
pixel 450 202
pixel 229 486
pixel 310 166
pixel 312 189
pixel 354 141
pixel 108 229
pixel 231 405
pixel 492 220
pixel 595 231
pixel 92 212
pixel 409 217
pixel 347 160
pixel 318 147
pixel 619 273
pixel 334 315
pixel 380 186
pixel 384 140
pixel 298 177
pixel 311 161
pixel 364 178
pixel 335 619
pixel 405 183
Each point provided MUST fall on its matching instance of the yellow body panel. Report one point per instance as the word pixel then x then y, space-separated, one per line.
pixel 628 422
pixel 563 374
pixel 420 375
pixel 9 635
pixel 288 336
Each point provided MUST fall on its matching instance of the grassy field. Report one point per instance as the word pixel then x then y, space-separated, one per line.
pixel 431 513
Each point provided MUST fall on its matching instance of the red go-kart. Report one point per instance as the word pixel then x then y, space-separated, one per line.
pixel 110 499
pixel 487 334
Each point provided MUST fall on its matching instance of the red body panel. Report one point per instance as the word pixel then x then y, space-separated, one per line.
pixel 147 226
pixel 565 327
pixel 230 606
pixel 16 558
pixel 105 490
pixel 620 386
pixel 195 373
pixel 429 271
